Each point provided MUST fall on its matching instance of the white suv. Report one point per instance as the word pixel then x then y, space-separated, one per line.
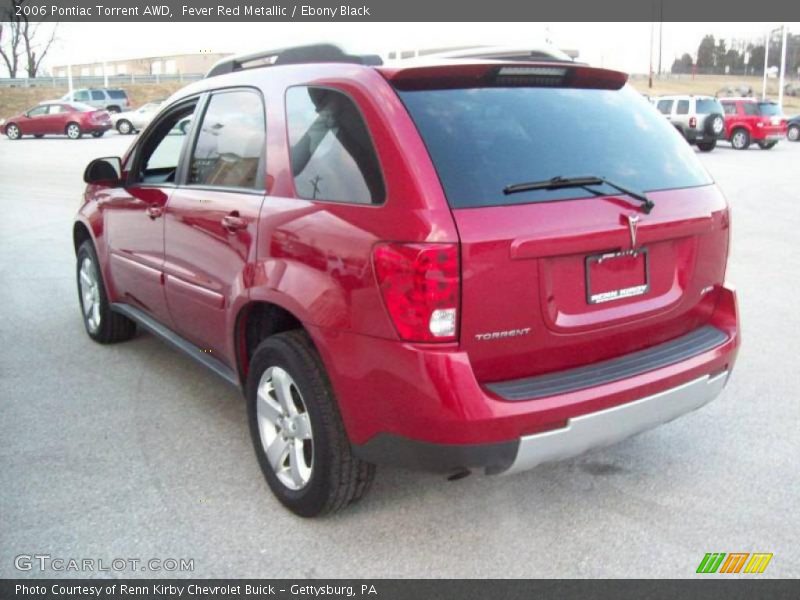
pixel 699 119
pixel 113 100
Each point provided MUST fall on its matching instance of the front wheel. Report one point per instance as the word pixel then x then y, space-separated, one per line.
pixel 102 324
pixel 124 126
pixel 74 131
pixel 793 133
pixel 13 132
pixel 707 146
pixel 297 431
pixel 767 145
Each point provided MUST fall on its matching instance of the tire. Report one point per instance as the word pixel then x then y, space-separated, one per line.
pixel 13 132
pixel 102 324
pixel 38 135
pixel 73 131
pixel 98 134
pixel 715 125
pixel 315 471
pixel 707 146
pixel 767 145
pixel 124 127
pixel 793 133
pixel 740 139
pixel 113 109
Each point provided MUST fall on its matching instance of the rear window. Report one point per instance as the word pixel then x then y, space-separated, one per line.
pixel 484 139
pixel 706 106
pixel 117 94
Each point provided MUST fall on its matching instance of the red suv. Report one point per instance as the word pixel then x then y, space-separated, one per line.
pixel 749 120
pixel 58 118
pixel 455 266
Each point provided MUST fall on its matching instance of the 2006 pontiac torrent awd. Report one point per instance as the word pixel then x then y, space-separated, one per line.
pixel 453 265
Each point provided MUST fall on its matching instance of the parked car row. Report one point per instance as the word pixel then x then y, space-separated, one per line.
pixel 742 121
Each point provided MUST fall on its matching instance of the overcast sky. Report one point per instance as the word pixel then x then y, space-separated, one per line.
pixel 616 45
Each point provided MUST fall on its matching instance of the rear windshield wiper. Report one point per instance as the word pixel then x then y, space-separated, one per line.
pixel 579 182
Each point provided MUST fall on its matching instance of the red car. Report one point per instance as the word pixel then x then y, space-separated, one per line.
pixel 459 266
pixel 750 120
pixel 58 118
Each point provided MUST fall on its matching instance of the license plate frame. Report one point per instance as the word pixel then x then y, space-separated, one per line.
pixel 622 293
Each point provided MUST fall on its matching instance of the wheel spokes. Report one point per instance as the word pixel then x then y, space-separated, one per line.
pixel 276 452
pixel 282 387
pixel 267 408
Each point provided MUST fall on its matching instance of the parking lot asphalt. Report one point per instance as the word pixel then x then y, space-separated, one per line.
pixel 135 451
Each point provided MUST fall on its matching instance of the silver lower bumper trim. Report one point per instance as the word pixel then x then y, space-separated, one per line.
pixel 606 427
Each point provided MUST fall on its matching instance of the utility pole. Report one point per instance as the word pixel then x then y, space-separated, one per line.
pixel 766 56
pixel 783 68
pixel 660 34
pixel 650 71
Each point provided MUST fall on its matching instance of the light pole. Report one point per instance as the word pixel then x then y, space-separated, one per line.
pixel 766 57
pixel 783 68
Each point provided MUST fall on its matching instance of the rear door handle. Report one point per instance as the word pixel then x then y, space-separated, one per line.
pixel 233 222
pixel 154 211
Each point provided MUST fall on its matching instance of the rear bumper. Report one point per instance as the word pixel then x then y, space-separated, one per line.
pixel 421 406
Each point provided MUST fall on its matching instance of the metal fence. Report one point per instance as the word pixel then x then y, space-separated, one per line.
pixel 97 81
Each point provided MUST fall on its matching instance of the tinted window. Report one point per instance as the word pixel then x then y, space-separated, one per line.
pixel 97 95
pixel 665 106
pixel 683 107
pixel 750 108
pixel 769 109
pixel 331 151
pixel 484 139
pixel 730 109
pixel 231 141
pixel 117 94
pixel 706 106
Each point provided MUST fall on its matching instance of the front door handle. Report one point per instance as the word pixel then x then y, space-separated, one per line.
pixel 154 211
pixel 233 222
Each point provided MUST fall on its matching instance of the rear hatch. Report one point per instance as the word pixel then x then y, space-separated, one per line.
pixel 564 277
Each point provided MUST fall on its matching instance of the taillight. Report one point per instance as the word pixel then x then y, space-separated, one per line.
pixel 692 122
pixel 420 284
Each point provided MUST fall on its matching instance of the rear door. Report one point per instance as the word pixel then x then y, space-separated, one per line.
pixel 212 219
pixel 557 278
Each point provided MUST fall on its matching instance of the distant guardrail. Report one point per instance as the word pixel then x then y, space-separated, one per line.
pixel 96 81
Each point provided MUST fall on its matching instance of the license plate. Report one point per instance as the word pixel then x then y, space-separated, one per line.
pixel 617 275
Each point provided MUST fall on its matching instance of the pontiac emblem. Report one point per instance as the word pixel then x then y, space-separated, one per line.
pixel 633 224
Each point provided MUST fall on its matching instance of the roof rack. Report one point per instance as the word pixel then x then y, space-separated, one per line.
pixel 295 55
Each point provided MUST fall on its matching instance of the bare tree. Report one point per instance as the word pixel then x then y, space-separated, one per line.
pixel 22 49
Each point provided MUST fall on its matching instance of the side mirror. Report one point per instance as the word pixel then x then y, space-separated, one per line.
pixel 105 171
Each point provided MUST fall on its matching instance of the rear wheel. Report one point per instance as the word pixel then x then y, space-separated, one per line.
pixel 74 131
pixel 740 139
pixel 767 145
pixel 707 146
pixel 102 324
pixel 793 133
pixel 297 432
pixel 124 126
pixel 13 132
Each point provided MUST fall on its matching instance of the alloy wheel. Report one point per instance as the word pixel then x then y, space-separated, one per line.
pixel 738 140
pixel 124 127
pixel 90 294
pixel 12 131
pixel 718 125
pixel 285 428
pixel 794 133
pixel 73 132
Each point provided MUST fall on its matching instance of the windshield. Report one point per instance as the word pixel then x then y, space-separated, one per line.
pixel 706 106
pixel 769 109
pixel 484 139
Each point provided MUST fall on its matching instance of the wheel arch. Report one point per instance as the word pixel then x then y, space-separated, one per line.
pixel 80 233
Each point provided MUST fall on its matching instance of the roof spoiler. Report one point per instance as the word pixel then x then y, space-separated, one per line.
pixel 295 55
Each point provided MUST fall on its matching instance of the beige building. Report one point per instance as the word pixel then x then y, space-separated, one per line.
pixel 176 64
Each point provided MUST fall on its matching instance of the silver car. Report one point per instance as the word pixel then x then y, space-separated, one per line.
pixel 135 120
pixel 699 119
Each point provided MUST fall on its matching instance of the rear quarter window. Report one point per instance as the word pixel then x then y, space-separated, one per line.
pixel 117 94
pixel 484 139
pixel 331 151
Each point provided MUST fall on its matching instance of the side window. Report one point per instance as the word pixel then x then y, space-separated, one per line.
pixel 230 142
pixel 38 111
pixel 331 151
pixel 683 107
pixel 98 95
pixel 158 155
pixel 750 108
pixel 81 96
pixel 729 108
pixel 55 109
pixel 664 106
